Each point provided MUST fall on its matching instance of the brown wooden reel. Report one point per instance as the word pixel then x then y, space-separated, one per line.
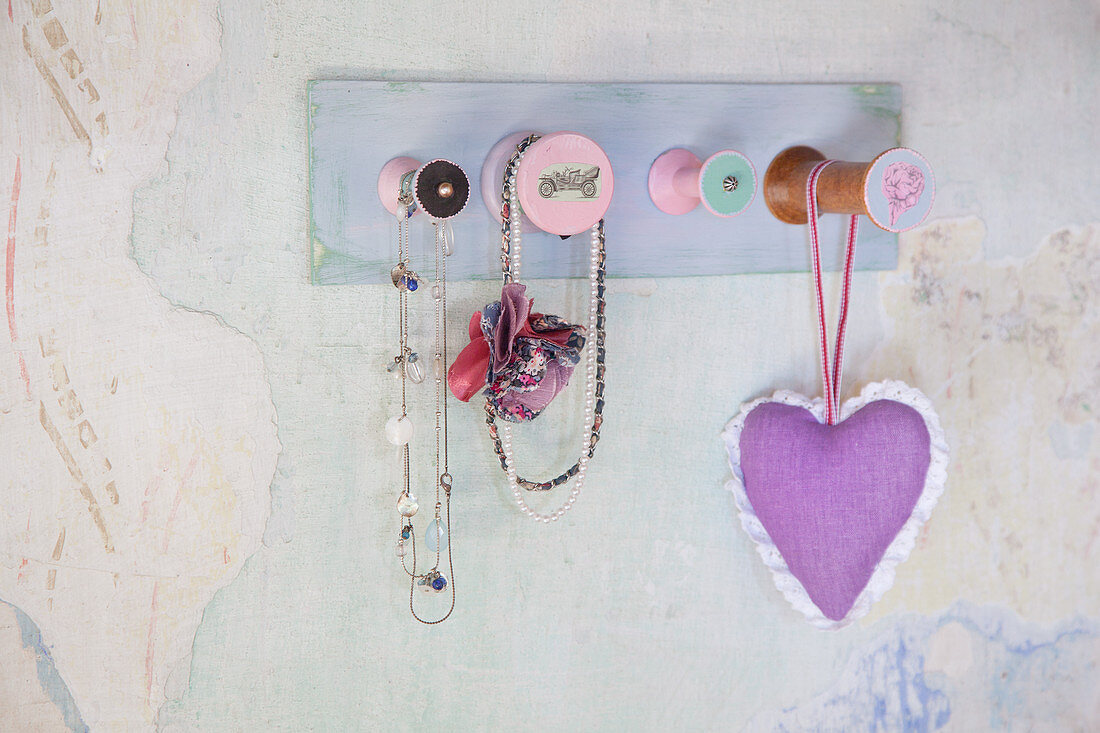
pixel 895 190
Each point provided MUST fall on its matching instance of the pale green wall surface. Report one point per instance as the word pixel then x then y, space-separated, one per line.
pixel 646 607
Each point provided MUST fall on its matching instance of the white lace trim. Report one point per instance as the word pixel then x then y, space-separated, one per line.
pixel 883 576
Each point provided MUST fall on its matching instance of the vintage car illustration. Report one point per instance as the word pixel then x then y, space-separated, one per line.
pixel 570 179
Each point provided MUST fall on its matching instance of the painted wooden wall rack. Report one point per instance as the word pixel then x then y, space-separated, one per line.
pixel 355 127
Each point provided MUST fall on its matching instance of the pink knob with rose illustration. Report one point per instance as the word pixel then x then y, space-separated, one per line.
pixel 899 189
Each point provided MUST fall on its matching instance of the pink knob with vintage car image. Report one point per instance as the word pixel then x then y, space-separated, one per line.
pixel 564 183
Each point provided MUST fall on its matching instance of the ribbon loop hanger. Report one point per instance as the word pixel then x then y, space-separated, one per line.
pixel 830 381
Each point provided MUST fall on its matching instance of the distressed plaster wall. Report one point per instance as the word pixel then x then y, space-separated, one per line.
pixel 196 505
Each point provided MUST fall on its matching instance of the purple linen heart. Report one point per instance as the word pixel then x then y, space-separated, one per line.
pixel 837 503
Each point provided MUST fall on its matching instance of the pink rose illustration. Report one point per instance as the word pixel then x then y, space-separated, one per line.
pixel 902 183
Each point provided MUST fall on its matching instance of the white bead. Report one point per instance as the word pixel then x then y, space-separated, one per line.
pixel 399 429
pixel 406 505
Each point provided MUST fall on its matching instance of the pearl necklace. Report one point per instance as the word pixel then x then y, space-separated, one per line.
pixel 511 252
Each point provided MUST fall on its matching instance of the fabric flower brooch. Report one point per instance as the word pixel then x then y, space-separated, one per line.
pixel 522 358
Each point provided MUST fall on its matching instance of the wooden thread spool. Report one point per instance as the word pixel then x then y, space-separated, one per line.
pixel 895 190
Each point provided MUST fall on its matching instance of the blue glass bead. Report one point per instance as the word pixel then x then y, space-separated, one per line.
pixel 439 583
pixel 405 533
pixel 411 284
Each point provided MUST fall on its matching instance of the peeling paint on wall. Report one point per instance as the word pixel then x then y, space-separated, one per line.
pixel 140 444
pixel 1008 352
pixel 919 676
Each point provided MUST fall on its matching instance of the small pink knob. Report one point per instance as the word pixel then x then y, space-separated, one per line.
pixel 395 181
pixel 725 182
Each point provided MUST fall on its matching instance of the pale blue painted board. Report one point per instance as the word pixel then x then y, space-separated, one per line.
pixel 356 126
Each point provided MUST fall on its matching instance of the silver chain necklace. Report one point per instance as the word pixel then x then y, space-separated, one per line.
pixel 399 429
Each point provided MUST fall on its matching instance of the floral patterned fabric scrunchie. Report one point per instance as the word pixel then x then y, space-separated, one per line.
pixel 524 357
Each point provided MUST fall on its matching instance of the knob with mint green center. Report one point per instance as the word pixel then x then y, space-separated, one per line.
pixel 727 183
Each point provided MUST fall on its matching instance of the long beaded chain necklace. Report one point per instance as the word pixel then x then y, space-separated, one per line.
pixel 510 258
pixel 399 429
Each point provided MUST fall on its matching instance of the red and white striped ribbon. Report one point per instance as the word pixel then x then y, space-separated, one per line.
pixel 830 381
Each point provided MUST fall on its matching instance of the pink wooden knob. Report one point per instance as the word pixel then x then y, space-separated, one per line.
pixel 565 183
pixel 492 175
pixel 725 182
pixel 395 180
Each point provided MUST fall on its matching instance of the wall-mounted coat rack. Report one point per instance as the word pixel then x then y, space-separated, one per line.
pixel 357 127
